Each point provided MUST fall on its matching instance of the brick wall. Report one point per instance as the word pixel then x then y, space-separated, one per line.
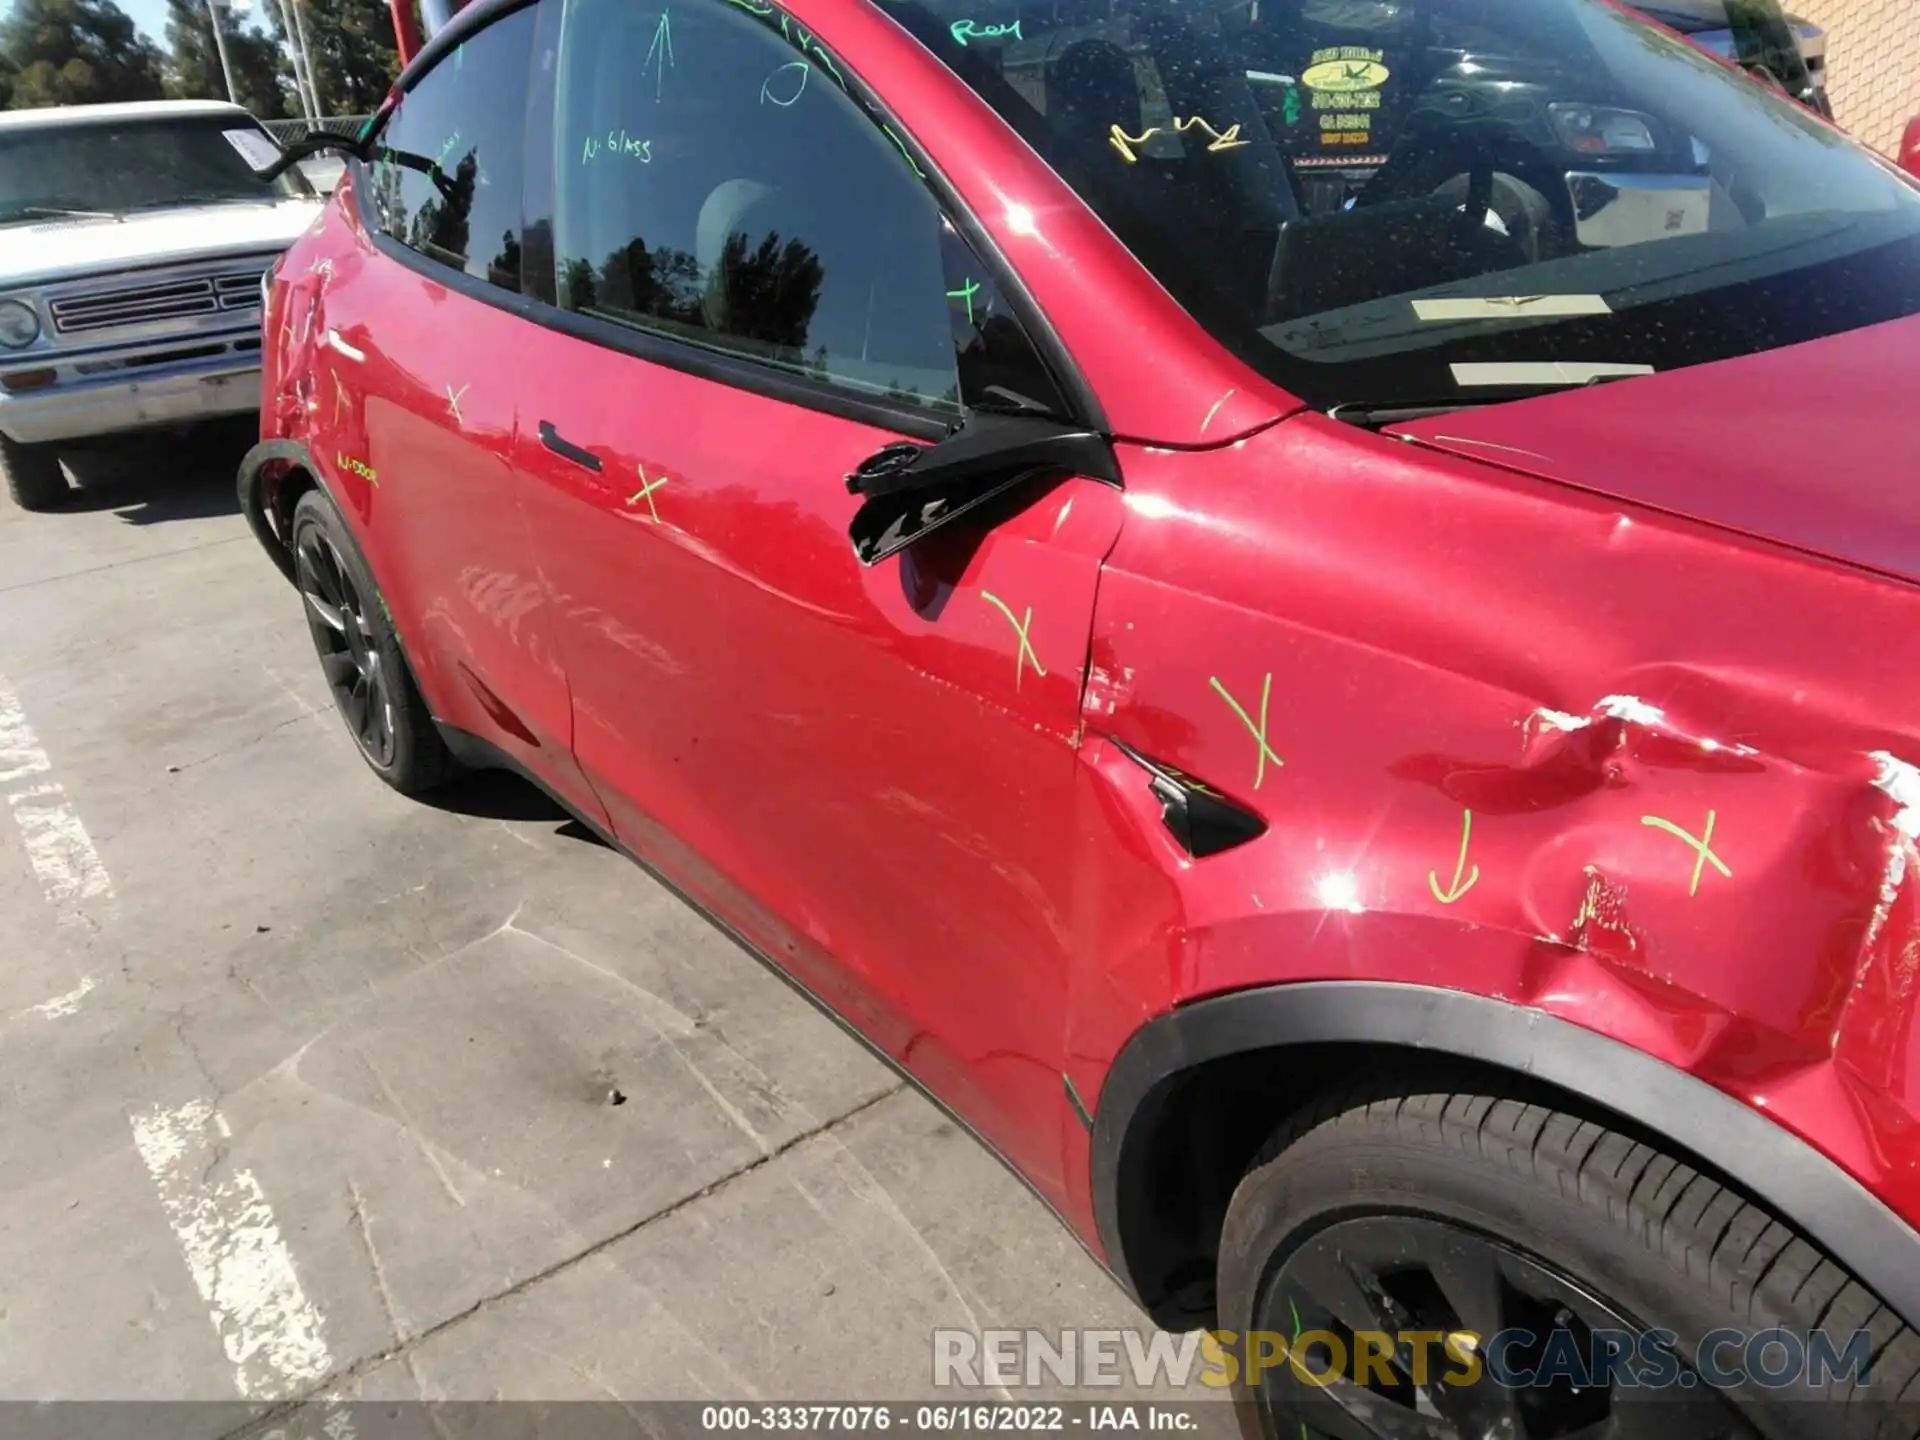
pixel 1873 63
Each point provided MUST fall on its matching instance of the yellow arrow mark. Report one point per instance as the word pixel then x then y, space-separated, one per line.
pixel 1454 891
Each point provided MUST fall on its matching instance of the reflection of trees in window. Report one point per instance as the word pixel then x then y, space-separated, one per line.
pixel 663 283
pixel 440 226
pixel 388 203
pixel 504 268
pixel 766 292
pixel 579 290
pixel 771 291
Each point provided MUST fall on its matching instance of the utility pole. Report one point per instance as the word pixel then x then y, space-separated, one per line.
pixel 302 85
pixel 220 44
pixel 300 28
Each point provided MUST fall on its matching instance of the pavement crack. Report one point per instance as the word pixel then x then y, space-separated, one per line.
pixel 120 564
pixel 271 1417
pixel 193 1053
pixel 358 1205
pixel 240 745
pixel 413 1133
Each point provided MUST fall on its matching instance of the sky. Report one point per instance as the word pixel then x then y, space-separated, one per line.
pixel 151 16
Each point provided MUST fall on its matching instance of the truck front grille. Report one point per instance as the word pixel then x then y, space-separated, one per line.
pixel 237 289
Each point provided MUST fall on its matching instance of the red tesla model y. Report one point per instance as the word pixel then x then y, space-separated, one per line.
pixel 1304 609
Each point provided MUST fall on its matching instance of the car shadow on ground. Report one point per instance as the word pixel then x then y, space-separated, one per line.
pixel 151 479
pixel 502 795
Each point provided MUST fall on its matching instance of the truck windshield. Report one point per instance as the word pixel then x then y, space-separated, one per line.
pixel 1415 201
pixel 110 168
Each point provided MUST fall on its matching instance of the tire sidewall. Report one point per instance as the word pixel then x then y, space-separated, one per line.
pixel 316 511
pixel 1331 1175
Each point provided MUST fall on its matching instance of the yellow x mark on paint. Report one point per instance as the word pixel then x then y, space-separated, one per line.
pixel 453 401
pixel 1259 731
pixel 645 492
pixel 1703 853
pixel 1020 629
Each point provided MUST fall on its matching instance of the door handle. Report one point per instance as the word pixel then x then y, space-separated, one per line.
pixel 567 450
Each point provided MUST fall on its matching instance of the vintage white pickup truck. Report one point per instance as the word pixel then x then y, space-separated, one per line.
pixel 133 240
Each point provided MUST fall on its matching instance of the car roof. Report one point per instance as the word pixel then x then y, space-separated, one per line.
pixel 63 115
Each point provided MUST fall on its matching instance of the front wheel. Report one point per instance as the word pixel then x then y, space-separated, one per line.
pixel 360 653
pixel 1431 1266
pixel 33 475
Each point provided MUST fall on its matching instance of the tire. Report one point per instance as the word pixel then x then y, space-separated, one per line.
pixel 360 654
pixel 34 477
pixel 1409 1194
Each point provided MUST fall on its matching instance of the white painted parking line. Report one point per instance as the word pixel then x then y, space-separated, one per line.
pixel 58 847
pixel 61 1006
pixel 272 1332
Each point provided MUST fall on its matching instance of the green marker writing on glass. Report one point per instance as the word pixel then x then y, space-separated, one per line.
pixel 966 30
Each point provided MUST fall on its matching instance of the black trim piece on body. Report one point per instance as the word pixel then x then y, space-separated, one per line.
pixel 1782 1173
pixel 448 37
pixel 253 499
pixel 567 450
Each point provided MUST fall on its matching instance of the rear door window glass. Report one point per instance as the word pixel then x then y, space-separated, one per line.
pixel 446 169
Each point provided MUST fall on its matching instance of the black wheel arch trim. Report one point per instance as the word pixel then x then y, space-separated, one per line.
pixel 1778 1169
pixel 253 494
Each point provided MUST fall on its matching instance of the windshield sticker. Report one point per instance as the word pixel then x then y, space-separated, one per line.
pixel 257 149
pixel 1542 372
pixel 773 82
pixel 1228 139
pixel 966 31
pixel 1345 81
pixel 1510 307
pixel 1346 69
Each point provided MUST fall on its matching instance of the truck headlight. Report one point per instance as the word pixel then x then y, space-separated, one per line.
pixel 19 326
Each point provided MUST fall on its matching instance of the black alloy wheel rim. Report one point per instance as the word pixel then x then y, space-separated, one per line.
pixel 1403 1273
pixel 349 652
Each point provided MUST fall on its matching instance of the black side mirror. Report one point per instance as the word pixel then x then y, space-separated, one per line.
pixel 314 142
pixel 913 490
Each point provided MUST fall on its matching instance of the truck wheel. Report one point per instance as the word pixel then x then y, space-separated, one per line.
pixel 1466 1217
pixel 360 654
pixel 34 477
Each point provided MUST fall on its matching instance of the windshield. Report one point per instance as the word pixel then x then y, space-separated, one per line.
pixel 1398 201
pixel 114 167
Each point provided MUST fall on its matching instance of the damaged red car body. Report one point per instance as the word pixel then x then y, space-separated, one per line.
pixel 1417 670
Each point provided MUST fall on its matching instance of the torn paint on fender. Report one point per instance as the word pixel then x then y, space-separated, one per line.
pixel 1600 926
